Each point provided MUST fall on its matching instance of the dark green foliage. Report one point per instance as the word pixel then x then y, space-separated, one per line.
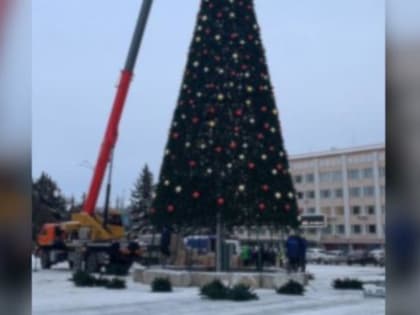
pixel 225 150
pixel 102 282
pixel 84 279
pixel 140 201
pixel 291 288
pixel 116 284
pixel 215 290
pixel 161 285
pixel 48 204
pixel 310 276
pixel 241 292
pixel 347 284
pixel 117 269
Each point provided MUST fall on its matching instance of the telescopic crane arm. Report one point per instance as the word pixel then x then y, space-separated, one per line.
pixel 111 132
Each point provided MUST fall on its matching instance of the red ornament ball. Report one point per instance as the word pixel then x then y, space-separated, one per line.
pixel 233 145
pixel 171 208
pixel 218 149
pixel 238 112
pixel 196 195
pixel 175 135
pixel 260 136
pixel 287 207
pixel 192 163
pixel 261 206
pixel 251 165
pixel 220 201
pixel 265 188
pixel 195 120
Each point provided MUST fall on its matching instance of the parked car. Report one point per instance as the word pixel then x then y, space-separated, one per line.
pixel 337 257
pixel 361 257
pixel 320 256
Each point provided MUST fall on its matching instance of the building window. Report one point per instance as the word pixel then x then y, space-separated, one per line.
pixel 309 178
pixel 328 229
pixel 371 210
pixel 298 179
pixel 326 211
pixel 339 211
pixel 368 191
pixel 310 194
pixel 340 229
pixel 382 172
pixel 372 229
pixel 355 210
pixel 312 231
pixel 311 211
pixel 354 174
pixel 300 195
pixel 337 176
pixel 325 193
pixel 354 192
pixel 326 177
pixel 383 209
pixel 338 193
pixel 368 173
pixel 356 229
pixel 382 189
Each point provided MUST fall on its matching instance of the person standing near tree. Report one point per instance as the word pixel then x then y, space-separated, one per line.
pixel 302 252
pixel 165 242
pixel 292 252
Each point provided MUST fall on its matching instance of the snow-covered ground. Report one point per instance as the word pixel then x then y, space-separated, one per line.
pixel 54 294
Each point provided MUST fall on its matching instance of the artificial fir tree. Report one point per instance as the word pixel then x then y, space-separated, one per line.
pixel 140 201
pixel 225 153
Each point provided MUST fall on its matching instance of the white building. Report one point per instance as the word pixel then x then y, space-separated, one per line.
pixel 348 187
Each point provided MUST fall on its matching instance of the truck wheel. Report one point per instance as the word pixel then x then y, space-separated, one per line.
pixel 77 262
pixel 45 260
pixel 92 265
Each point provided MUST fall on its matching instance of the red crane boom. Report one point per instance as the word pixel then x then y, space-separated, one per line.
pixel 111 132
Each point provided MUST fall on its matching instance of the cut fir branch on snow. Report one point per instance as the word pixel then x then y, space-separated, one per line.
pixel 225 153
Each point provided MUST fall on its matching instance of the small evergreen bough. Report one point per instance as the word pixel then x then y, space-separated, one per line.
pixel 347 284
pixel 291 288
pixel 241 293
pixel 84 279
pixel 161 285
pixel 116 284
pixel 216 290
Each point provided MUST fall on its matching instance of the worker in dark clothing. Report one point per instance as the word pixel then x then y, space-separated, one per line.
pixel 292 252
pixel 302 252
pixel 165 242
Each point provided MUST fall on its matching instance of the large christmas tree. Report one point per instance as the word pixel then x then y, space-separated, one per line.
pixel 225 152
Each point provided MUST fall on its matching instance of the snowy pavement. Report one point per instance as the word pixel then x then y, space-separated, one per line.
pixel 54 294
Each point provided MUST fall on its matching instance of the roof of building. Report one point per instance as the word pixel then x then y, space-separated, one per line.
pixel 336 151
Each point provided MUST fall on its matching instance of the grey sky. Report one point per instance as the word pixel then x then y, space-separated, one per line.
pixel 326 59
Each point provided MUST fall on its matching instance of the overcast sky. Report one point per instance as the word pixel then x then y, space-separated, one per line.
pixel 326 59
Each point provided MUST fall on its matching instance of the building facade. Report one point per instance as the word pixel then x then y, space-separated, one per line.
pixel 347 186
